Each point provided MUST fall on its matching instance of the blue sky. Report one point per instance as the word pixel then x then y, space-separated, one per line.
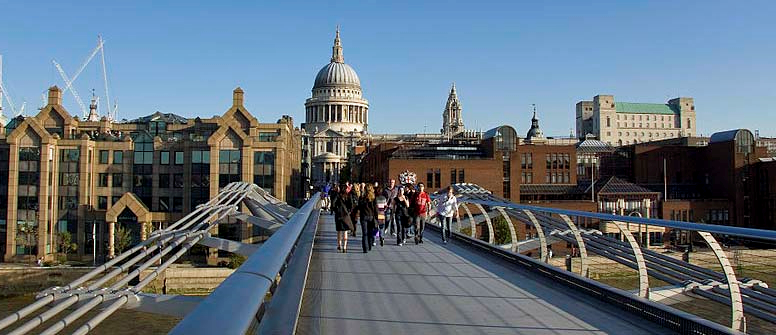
pixel 185 57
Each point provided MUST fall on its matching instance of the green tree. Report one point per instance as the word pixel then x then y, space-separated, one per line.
pixel 66 244
pixel 121 239
pixel 501 230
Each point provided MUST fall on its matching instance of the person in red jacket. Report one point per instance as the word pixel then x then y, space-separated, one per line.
pixel 419 206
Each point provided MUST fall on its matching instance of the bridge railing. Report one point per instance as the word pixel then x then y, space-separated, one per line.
pixel 240 303
pixel 728 267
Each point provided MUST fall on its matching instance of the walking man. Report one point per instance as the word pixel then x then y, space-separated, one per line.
pixel 420 207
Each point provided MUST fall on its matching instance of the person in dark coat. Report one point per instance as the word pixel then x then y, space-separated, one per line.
pixel 401 208
pixel 340 204
pixel 367 209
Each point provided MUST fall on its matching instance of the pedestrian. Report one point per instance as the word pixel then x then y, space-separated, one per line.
pixel 390 193
pixel 420 206
pixel 353 196
pixel 409 193
pixel 447 206
pixel 325 197
pixel 401 210
pixel 367 209
pixel 341 207
pixel 382 204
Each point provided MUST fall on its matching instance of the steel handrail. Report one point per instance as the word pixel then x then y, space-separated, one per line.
pixel 236 305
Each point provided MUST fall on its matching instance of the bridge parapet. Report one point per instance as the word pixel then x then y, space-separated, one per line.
pixel 721 277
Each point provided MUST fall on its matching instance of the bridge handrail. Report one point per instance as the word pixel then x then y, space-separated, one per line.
pixel 757 234
pixel 239 302
pixel 664 315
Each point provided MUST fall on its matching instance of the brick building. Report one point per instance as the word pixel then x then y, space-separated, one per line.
pixel 713 180
pixel 61 174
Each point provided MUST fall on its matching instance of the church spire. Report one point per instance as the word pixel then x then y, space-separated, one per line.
pixel 336 50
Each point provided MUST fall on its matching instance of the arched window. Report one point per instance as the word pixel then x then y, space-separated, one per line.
pixel 608 121
pixel 689 124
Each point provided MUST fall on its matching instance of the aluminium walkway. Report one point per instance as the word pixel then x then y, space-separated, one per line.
pixel 434 288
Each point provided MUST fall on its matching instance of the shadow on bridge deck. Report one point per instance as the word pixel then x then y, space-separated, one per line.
pixel 439 289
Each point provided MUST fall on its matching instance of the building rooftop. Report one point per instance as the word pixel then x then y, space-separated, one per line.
pixel 645 108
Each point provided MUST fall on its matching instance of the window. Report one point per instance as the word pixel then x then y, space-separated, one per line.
pixel 179 158
pixel 118 157
pixel 229 167
pixel 177 180
pixel 689 124
pixel 461 176
pixel 102 202
pixel 608 121
pixel 453 176
pixel 118 180
pixel 438 178
pixel 104 155
pixel 200 157
pixel 529 160
pixel 164 181
pixel 68 179
pixel 164 158
pixel 264 170
pixel 177 204
pixel 102 180
pixel 430 178
pixel 267 136
pixel 529 178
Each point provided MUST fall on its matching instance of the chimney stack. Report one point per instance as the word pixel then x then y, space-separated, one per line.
pixel 237 97
pixel 54 96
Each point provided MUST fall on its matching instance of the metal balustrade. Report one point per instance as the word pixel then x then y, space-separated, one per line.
pixel 714 282
pixel 108 285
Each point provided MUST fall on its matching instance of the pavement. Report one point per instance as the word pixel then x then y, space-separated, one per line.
pixel 435 288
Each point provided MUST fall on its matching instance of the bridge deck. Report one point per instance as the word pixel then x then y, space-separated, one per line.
pixel 439 289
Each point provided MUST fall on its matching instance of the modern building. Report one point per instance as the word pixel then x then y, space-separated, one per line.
pixel 60 174
pixel 336 118
pixel 624 123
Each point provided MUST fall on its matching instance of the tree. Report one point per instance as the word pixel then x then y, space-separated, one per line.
pixel 121 239
pixel 66 244
pixel 501 230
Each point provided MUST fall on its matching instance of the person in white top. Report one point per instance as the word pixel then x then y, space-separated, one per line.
pixel 446 208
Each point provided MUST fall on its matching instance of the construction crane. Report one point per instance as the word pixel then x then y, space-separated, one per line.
pixel 69 81
pixel 4 93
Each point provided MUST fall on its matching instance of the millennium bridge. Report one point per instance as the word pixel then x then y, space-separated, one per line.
pixel 297 282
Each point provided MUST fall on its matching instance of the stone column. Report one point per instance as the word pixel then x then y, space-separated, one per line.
pixel 647 204
pixel 111 239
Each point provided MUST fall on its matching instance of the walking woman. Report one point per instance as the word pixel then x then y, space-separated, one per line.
pixel 341 207
pixel 354 196
pixel 446 207
pixel 367 209
pixel 401 209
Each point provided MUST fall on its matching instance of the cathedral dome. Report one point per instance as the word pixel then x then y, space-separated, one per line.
pixel 337 75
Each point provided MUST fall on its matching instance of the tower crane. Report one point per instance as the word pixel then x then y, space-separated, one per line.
pixel 4 93
pixel 69 81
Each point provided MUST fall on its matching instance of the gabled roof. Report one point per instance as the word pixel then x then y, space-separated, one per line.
pixel 159 116
pixel 614 185
pixel 593 146
pixel 645 108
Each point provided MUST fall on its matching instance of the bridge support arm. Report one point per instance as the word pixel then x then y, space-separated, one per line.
pixel 542 239
pixel 491 232
pixel 642 265
pixel 738 322
pixel 512 232
pixel 471 219
pixel 583 271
